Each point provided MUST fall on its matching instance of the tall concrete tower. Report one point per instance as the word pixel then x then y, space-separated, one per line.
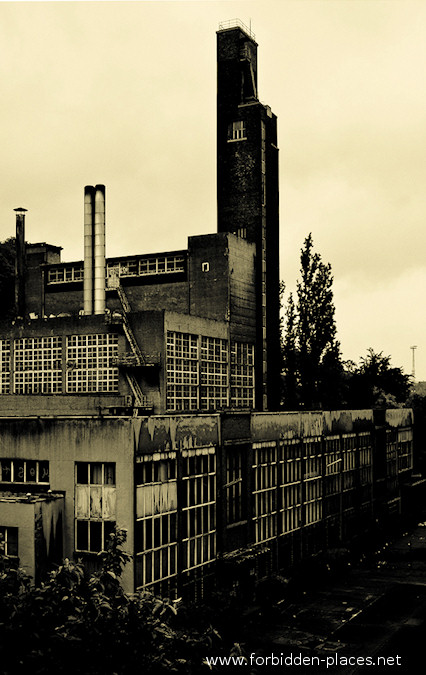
pixel 247 190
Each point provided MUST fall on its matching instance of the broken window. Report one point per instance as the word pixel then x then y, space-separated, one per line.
pixel 9 541
pixel 95 504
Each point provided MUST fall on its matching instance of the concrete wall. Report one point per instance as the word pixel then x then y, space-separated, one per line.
pixel 209 290
pixel 64 442
pixel 183 432
pixel 273 426
pixel 21 515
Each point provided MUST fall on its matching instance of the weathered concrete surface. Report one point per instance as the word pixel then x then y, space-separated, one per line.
pixel 378 609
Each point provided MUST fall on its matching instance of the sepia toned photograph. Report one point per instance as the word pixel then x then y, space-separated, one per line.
pixel 212 336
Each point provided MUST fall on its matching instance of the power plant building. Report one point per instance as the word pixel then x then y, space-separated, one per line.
pixel 142 391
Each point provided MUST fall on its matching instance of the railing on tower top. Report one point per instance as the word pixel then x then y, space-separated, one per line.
pixel 236 23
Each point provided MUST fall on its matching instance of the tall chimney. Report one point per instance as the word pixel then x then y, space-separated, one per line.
pixel 20 260
pixel 99 248
pixel 89 254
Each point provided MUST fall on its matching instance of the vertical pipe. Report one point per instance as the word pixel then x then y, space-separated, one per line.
pixel 20 263
pixel 99 247
pixel 89 202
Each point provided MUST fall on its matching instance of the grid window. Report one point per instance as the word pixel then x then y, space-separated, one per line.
pixel 89 358
pixel 238 130
pixel 38 363
pixel 198 509
pixel 365 458
pixel 290 485
pixel 24 471
pixel 9 541
pixel 161 265
pixel 156 525
pixel 182 371
pixel 213 373
pixel 4 366
pixel 235 482
pixel 95 505
pixel 242 375
pixel 405 449
pixel 349 461
pixel 59 275
pixel 312 474
pixel 265 491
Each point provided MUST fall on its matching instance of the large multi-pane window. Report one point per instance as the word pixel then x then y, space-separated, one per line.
pixel 199 376
pixel 405 449
pixel 290 484
pixel 198 508
pixel 89 366
pixel 265 490
pixel 213 373
pixel 332 476
pixel 24 471
pixel 156 519
pixel 4 366
pixel 365 458
pixel 95 504
pixel 242 375
pixel 235 485
pixel 38 363
pixel 349 471
pixel 9 541
pixel 312 474
pixel 182 371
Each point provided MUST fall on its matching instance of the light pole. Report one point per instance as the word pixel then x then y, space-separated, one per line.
pixel 413 371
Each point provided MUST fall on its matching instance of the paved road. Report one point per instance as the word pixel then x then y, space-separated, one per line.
pixel 375 610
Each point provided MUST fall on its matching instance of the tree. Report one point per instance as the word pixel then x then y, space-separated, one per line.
pixel 376 384
pixel 76 622
pixel 311 353
pixel 7 278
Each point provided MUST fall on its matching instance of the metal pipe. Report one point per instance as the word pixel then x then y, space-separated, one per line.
pixel 20 260
pixel 99 250
pixel 89 204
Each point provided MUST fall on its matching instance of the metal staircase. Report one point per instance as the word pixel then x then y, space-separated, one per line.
pixel 127 328
pixel 136 357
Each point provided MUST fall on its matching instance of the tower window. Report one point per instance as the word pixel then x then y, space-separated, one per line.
pixel 205 267
pixel 237 131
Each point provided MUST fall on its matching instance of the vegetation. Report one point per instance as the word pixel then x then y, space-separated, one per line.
pixel 86 623
pixel 7 278
pixel 311 353
pixel 314 375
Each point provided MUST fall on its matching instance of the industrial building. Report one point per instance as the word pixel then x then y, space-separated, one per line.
pixel 142 391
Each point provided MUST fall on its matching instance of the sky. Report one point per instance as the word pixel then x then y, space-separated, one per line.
pixel 124 93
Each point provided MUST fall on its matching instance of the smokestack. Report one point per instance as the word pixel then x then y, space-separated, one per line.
pixel 89 208
pixel 20 260
pixel 99 250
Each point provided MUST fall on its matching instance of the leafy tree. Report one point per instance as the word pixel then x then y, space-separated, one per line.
pixel 87 623
pixel 311 353
pixel 375 383
pixel 7 278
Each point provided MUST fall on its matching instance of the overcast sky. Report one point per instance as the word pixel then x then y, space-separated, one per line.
pixel 124 93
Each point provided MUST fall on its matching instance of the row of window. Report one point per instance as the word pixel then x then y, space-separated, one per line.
pixel 24 471
pixel 128 268
pixel 38 364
